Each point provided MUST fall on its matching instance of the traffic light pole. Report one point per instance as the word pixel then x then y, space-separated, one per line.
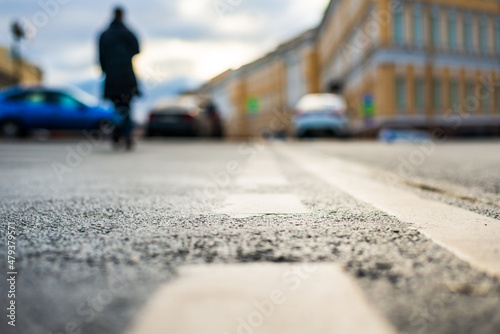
pixel 18 34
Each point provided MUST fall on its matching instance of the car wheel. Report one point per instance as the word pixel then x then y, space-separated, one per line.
pixel 217 133
pixel 105 126
pixel 308 134
pixel 196 131
pixel 11 129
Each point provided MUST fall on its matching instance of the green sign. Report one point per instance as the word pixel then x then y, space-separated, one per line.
pixel 253 105
pixel 368 106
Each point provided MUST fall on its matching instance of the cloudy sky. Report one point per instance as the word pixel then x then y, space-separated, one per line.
pixel 190 39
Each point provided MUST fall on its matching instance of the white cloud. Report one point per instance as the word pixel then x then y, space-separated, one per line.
pixel 195 9
pixel 202 60
pixel 240 23
pixel 187 38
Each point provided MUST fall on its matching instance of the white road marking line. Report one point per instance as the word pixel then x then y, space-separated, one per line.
pixel 472 237
pixel 263 171
pixel 248 205
pixel 260 299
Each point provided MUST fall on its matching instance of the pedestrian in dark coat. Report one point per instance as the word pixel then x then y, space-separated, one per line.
pixel 117 46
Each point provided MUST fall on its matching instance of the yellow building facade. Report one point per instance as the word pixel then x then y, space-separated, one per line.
pixel 257 99
pixel 423 64
pixel 404 63
pixel 12 73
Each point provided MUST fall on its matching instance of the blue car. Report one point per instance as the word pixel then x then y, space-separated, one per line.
pixel 23 109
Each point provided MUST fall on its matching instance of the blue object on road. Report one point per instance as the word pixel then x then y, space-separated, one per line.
pixel 403 136
pixel 23 109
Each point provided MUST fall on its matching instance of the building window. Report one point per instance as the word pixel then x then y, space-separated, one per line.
pixel 471 99
pixel 400 94
pixel 454 98
pixel 468 34
pixel 420 95
pixel 398 26
pixel 470 90
pixel 497 35
pixel 435 28
pixel 484 36
pixel 486 96
pixel 437 98
pixel 497 90
pixel 452 31
pixel 417 26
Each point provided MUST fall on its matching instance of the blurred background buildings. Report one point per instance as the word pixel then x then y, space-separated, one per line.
pixel 255 95
pixel 14 71
pixel 421 64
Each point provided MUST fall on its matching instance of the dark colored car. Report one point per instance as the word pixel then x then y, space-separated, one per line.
pixel 23 109
pixel 184 116
pixel 215 119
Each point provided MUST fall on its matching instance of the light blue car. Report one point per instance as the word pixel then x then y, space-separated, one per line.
pixel 23 109
pixel 321 115
pixel 396 135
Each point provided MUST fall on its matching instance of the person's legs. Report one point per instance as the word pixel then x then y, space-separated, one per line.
pixel 127 125
pixel 124 128
pixel 127 130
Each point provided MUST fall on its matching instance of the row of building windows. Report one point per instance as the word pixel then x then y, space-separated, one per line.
pixel 475 99
pixel 471 28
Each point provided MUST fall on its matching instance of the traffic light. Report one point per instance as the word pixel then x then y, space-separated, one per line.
pixel 17 31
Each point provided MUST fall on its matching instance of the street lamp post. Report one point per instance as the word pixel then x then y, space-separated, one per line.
pixel 18 34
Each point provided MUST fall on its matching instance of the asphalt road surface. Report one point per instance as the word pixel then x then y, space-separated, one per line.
pixel 96 234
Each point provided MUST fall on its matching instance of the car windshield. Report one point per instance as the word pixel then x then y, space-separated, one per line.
pixel 83 96
pixel 173 110
pixel 178 105
pixel 321 102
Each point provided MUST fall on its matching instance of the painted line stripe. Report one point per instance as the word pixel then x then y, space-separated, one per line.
pixel 249 205
pixel 263 171
pixel 470 236
pixel 260 299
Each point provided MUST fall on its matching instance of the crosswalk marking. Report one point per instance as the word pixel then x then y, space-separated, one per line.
pixel 248 205
pixel 260 299
pixel 470 236
pixel 262 172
